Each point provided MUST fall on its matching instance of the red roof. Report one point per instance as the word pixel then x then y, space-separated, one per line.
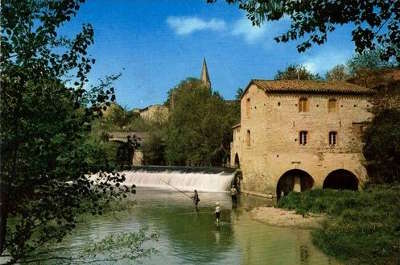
pixel 309 86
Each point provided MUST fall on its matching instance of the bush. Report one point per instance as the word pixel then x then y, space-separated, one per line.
pixel 362 228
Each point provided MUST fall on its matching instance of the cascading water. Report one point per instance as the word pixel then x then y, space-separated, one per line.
pixel 211 182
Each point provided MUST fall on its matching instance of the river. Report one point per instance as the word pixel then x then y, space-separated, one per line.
pixel 190 237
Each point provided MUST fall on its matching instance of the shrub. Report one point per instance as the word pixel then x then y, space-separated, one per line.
pixel 363 228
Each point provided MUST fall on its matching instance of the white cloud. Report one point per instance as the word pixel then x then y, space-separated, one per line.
pixel 188 25
pixel 326 60
pixel 244 28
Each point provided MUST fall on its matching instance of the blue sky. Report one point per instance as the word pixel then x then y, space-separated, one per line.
pixel 156 44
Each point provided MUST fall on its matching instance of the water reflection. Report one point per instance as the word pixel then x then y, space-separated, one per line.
pixel 188 236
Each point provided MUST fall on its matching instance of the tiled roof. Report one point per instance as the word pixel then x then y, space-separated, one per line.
pixel 308 86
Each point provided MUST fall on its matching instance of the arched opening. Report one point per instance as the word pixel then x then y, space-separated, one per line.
pixel 237 162
pixel 341 180
pixel 293 180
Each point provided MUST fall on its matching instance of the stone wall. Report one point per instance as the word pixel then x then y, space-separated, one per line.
pixel 267 140
pixel 137 159
pixel 155 113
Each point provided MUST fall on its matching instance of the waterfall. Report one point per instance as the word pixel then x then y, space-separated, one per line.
pixel 187 181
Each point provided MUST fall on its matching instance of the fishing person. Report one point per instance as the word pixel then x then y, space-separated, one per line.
pixel 217 212
pixel 196 198
pixel 234 193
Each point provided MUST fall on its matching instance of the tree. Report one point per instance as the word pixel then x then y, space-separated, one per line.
pixel 368 60
pixel 199 129
pixel 382 136
pixel 239 93
pixel 45 120
pixel 154 148
pixel 382 147
pixel 120 117
pixel 337 73
pixel 376 22
pixel 296 72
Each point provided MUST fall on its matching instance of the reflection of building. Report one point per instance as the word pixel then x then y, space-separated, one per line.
pixel 295 135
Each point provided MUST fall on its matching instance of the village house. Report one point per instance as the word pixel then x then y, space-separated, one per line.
pixel 154 113
pixel 297 135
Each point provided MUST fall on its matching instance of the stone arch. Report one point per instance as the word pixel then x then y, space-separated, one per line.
pixel 293 180
pixel 341 179
pixel 237 162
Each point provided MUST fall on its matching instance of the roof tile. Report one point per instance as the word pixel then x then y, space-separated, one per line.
pixel 310 86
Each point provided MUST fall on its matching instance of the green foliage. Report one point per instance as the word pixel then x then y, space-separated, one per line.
pixel 239 93
pixel 296 72
pixel 117 118
pixel 45 123
pixel 154 148
pixel 382 147
pixel 121 246
pixel 362 227
pixel 199 129
pixel 376 23
pixel 369 59
pixel 337 73
pixel 120 117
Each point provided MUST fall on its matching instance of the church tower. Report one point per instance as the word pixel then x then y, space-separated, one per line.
pixel 204 77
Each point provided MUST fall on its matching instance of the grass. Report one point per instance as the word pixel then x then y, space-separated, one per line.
pixel 361 228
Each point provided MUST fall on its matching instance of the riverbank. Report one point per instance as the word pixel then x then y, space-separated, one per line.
pixel 360 228
pixel 286 218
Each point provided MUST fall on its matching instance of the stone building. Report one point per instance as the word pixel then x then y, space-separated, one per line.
pixel 298 135
pixel 155 113
pixel 204 76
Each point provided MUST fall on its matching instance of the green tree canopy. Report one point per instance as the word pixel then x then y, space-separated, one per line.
pixel 369 60
pixel 337 73
pixel 199 130
pixel 376 22
pixel 239 93
pixel 296 72
pixel 45 117
pixel 382 147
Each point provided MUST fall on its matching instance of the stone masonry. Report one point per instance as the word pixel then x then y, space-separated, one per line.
pixel 329 119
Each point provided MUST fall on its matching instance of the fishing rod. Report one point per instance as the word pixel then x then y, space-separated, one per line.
pixel 176 189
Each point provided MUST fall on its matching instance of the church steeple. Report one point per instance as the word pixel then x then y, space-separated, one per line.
pixel 204 77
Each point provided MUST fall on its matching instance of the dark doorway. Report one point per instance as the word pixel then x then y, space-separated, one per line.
pixel 237 163
pixel 293 180
pixel 341 180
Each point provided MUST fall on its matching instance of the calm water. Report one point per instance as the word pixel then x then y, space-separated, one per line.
pixel 190 237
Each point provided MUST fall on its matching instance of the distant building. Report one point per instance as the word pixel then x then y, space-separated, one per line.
pixel 297 135
pixel 155 113
pixel 204 76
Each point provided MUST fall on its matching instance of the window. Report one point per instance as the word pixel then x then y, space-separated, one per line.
pixel 332 138
pixel 248 106
pixel 248 138
pixel 303 137
pixel 303 105
pixel 332 105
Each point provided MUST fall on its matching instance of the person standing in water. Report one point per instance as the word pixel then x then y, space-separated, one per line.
pixel 217 212
pixel 196 198
pixel 234 195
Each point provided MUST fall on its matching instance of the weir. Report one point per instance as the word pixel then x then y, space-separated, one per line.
pixel 186 179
